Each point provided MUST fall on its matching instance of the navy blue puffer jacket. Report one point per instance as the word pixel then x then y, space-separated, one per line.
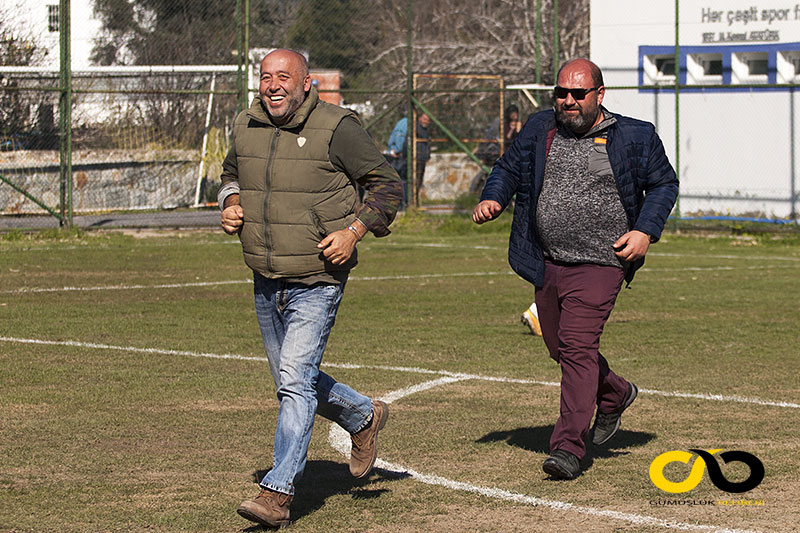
pixel 645 179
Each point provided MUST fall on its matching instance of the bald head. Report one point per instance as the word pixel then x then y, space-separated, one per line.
pixel 579 95
pixel 284 83
pixel 290 55
pixel 581 63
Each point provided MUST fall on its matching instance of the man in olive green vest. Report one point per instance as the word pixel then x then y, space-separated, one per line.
pixel 289 191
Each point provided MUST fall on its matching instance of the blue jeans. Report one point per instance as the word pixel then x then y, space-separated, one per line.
pixel 295 322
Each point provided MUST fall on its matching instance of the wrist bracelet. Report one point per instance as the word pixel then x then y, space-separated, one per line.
pixel 354 230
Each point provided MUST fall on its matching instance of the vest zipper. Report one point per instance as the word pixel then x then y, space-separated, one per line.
pixel 272 145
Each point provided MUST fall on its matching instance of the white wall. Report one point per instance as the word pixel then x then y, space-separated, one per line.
pixel 735 147
pixel 30 17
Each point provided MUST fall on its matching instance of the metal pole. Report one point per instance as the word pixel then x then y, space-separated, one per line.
pixel 246 53
pixel 411 162
pixel 409 88
pixel 65 114
pixel 677 111
pixel 538 79
pixel 555 40
pixel 201 171
pixel 502 121
pixel 792 156
pixel 239 59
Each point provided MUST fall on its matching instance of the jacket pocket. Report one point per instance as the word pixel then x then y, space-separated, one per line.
pixel 599 164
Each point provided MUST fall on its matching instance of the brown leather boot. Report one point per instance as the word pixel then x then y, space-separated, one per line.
pixel 269 508
pixel 364 448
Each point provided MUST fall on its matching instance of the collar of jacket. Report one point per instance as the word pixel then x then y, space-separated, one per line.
pixel 257 112
pixel 609 119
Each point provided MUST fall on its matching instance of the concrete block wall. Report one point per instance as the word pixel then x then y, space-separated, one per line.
pixel 102 180
pixel 448 176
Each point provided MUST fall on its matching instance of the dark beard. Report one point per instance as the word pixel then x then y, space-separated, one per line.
pixel 579 124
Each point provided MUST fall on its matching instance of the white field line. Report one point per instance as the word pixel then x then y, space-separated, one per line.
pixel 428 276
pixel 74 247
pixel 432 245
pixel 666 394
pixel 133 349
pixel 447 375
pixel 413 389
pixel 723 256
pixel 649 254
pixel 30 290
pixel 339 439
pixel 445 245
pixel 24 290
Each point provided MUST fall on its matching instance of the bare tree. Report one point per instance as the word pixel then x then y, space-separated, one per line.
pixel 488 36
pixel 483 37
pixel 16 103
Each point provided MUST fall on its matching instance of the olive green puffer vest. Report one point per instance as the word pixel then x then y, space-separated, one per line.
pixel 290 192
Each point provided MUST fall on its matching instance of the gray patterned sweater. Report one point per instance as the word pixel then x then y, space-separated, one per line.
pixel 580 213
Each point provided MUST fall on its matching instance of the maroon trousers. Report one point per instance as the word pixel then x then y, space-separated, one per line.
pixel 574 304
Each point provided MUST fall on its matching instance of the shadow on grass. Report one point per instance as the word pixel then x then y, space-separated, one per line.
pixel 323 479
pixel 537 439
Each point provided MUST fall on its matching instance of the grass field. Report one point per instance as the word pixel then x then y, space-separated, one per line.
pixel 134 393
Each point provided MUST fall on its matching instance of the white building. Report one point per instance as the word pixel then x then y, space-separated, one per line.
pixel 738 142
pixel 39 19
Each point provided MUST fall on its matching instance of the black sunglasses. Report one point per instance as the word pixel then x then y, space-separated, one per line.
pixel 578 93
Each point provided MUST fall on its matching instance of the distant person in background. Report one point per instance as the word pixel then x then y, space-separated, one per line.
pixel 396 157
pixel 423 150
pixel 512 124
pixel 398 151
pixel 488 152
pixel 593 190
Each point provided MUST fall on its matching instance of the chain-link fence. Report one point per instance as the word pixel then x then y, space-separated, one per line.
pixel 154 86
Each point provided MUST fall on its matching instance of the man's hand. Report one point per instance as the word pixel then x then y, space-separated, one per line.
pixel 486 211
pixel 632 246
pixel 232 219
pixel 338 246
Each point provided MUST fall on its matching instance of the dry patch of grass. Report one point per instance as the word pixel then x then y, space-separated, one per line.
pixel 101 439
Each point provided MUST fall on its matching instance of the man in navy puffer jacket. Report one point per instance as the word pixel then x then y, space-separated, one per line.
pixel 593 190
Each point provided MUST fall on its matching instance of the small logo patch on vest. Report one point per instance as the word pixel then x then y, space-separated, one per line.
pixel 301 141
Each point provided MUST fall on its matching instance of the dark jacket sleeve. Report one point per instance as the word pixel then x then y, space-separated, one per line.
pixel 383 196
pixel 230 171
pixel 353 151
pixel 660 189
pixel 504 180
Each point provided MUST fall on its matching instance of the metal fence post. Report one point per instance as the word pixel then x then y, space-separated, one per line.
pixel 538 78
pixel 792 158
pixel 246 48
pixel 410 171
pixel 65 114
pixel 677 112
pixel 239 59
pixel 556 61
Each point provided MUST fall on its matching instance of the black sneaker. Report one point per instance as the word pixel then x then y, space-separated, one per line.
pixel 607 424
pixel 562 465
